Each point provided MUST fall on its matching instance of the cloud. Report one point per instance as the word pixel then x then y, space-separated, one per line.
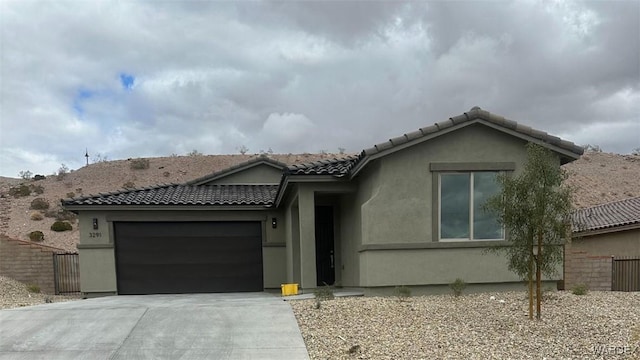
pixel 129 79
pixel 288 131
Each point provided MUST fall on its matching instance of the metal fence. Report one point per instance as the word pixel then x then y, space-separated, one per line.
pixel 66 272
pixel 625 274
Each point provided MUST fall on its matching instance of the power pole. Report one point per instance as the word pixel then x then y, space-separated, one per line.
pixel 86 155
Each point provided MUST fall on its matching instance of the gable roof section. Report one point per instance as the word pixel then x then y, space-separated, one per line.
pixel 183 195
pixel 261 160
pixel 568 150
pixel 608 217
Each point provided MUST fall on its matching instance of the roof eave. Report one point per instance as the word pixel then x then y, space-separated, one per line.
pixel 605 230
pixel 76 208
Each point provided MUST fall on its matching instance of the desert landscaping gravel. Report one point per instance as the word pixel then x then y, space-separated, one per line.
pixel 14 294
pixel 475 326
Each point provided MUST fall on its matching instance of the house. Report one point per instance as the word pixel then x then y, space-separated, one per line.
pixel 404 212
pixel 605 249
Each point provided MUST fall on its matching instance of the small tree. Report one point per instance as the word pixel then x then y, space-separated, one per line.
pixel 535 209
pixel 243 149
pixel 25 175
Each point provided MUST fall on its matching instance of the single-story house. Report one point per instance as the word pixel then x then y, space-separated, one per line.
pixel 404 212
pixel 604 252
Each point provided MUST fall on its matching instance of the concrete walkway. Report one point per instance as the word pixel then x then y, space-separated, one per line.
pixel 196 326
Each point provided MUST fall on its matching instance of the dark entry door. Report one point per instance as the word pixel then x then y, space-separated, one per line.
pixel 188 257
pixel 325 258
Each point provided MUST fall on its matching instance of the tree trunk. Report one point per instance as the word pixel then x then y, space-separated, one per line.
pixel 531 288
pixel 538 276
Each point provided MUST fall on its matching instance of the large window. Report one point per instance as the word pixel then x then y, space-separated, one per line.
pixel 462 195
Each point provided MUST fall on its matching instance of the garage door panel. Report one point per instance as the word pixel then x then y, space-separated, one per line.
pixel 188 257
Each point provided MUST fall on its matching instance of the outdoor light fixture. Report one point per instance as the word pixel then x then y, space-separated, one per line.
pixel 274 223
pixel 95 223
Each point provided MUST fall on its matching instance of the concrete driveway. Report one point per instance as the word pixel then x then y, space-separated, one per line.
pixel 198 326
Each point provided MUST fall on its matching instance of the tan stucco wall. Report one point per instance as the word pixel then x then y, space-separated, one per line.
pixel 403 186
pixel 259 174
pixel 97 259
pixel 433 267
pixel 588 259
pixel 397 208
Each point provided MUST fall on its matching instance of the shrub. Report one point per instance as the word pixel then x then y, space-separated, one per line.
pixel 39 204
pixel 579 289
pixel 20 191
pixel 403 292
pixel 51 213
pixel 38 189
pixel 71 194
pixel 324 293
pixel 61 226
pixel 139 164
pixel 33 288
pixel 36 216
pixel 458 286
pixel 36 236
pixel 166 174
pixel 65 215
pixel 129 185
pixel 194 152
pixel 62 172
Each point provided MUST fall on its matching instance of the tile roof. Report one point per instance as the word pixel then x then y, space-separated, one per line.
pixel 610 215
pixel 336 167
pixel 182 195
pixel 477 113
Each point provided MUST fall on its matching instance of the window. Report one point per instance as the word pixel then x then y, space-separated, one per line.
pixel 462 195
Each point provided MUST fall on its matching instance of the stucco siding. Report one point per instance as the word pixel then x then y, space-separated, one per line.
pixel 350 240
pixel 97 270
pixel 402 210
pixel 433 267
pixel 260 174
pixel 401 207
pixel 274 273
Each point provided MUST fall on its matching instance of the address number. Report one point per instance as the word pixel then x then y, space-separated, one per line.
pixel 95 234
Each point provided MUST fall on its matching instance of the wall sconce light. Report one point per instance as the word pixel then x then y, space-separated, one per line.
pixel 274 223
pixel 95 223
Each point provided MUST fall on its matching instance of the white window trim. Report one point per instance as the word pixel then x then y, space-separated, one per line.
pixel 470 173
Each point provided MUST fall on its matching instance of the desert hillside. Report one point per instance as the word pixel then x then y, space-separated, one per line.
pixel 598 178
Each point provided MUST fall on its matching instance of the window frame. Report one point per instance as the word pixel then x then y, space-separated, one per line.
pixel 438 168
pixel 471 206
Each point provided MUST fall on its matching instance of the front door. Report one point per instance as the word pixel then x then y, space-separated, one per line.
pixel 325 257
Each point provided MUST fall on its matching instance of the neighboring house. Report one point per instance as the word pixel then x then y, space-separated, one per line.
pixel 602 234
pixel 404 212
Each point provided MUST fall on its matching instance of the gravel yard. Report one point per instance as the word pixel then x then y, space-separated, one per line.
pixel 472 327
pixel 14 294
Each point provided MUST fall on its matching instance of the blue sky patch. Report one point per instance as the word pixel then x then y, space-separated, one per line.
pixel 81 95
pixel 127 81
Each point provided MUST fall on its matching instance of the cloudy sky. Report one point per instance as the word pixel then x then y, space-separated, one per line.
pixel 136 79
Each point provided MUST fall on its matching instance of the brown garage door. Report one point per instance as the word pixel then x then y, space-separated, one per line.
pixel 188 257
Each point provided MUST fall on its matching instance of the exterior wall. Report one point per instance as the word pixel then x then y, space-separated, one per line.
pixel 96 248
pixel 259 174
pixel 398 208
pixel 588 259
pixel 306 204
pixel 28 263
pixel 433 267
pixel 403 188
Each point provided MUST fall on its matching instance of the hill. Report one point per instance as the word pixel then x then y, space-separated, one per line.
pixel 597 177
